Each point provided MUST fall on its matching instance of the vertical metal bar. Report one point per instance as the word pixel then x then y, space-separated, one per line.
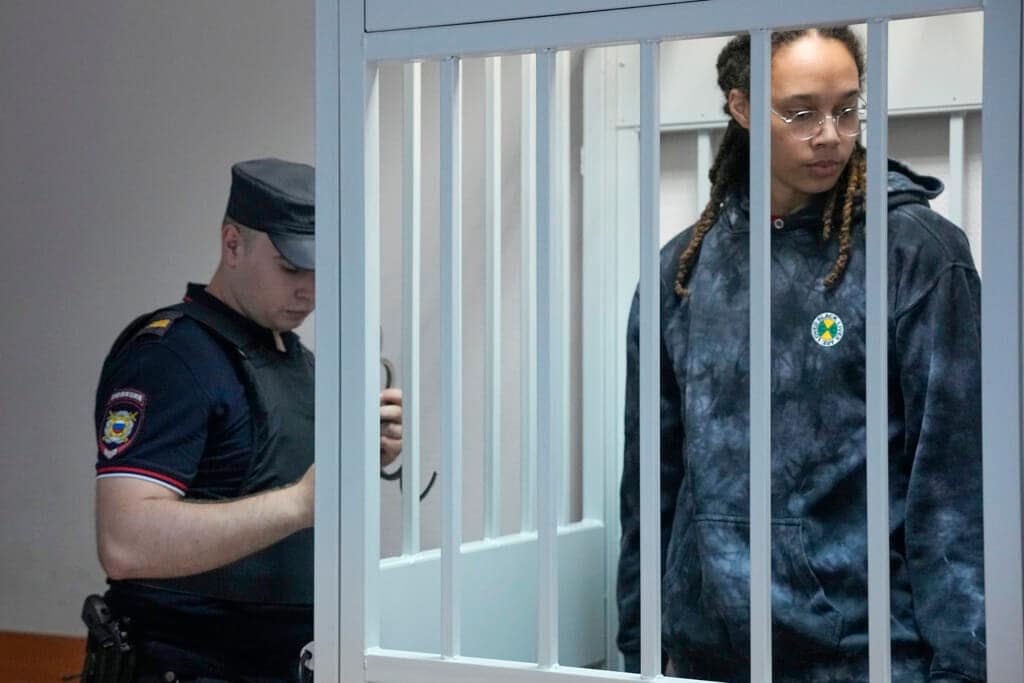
pixel 598 443
pixel 562 200
pixel 492 287
pixel 411 262
pixel 549 406
pixel 451 353
pixel 365 283
pixel 876 352
pixel 327 438
pixel 528 302
pixel 650 366
pixel 593 280
pixel 957 165
pixel 351 281
pixel 1001 315
pixel 704 158
pixel 349 522
pixel 760 360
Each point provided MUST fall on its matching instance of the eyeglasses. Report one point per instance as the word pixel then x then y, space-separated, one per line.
pixel 808 123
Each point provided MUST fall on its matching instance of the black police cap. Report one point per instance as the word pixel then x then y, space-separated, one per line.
pixel 276 197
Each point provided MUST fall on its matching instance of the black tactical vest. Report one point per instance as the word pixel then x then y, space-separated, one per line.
pixel 279 389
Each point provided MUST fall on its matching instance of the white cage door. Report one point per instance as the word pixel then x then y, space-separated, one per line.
pixel 537 606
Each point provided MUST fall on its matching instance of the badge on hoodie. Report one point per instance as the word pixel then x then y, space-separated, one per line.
pixel 827 329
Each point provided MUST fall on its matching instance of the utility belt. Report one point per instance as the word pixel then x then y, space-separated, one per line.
pixel 111 653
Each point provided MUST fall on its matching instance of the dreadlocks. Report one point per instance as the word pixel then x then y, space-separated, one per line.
pixel 732 162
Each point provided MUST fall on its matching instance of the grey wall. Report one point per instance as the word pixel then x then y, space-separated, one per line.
pixel 118 124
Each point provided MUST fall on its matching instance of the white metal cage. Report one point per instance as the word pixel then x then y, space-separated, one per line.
pixel 353 39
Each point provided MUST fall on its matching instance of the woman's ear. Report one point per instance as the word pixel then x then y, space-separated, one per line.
pixel 739 107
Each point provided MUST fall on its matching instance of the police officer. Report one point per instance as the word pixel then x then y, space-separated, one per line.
pixel 204 415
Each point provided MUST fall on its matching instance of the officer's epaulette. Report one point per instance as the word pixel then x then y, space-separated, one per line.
pixel 158 323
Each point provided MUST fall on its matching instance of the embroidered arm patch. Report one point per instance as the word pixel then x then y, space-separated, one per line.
pixel 124 413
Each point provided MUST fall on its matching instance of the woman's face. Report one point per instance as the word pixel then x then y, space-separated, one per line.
pixel 810 73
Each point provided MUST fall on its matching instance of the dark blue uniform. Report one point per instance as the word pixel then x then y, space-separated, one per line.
pixel 185 422
pixel 176 406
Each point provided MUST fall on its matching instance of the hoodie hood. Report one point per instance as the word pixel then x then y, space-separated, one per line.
pixel 907 187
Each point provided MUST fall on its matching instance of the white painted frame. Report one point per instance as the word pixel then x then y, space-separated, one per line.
pixel 389 15
pixel 348 570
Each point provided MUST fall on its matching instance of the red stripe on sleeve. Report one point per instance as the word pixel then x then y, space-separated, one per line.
pixel 147 473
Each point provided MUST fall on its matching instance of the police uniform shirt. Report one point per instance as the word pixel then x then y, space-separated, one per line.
pixel 172 410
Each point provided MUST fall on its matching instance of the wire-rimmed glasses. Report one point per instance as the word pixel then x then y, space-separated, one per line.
pixel 808 123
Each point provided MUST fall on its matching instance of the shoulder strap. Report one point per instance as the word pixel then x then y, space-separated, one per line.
pixel 221 325
pixel 151 324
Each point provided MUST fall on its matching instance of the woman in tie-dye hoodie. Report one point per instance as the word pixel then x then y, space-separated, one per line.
pixel 819 538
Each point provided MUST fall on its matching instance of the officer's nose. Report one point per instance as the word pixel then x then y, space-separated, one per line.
pixel 306 290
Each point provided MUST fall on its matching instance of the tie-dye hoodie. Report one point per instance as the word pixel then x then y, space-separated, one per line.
pixel 819 540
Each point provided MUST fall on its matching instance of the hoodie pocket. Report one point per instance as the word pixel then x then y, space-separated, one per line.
pixel 803 618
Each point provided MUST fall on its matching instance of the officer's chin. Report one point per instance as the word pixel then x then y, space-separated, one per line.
pixel 289 320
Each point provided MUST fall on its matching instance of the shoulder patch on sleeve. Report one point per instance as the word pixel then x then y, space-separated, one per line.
pixel 122 419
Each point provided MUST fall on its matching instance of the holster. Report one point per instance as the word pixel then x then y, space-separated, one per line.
pixel 109 652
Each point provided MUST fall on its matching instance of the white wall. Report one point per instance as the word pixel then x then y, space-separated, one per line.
pixel 118 125
pixel 473 311
pixel 473 293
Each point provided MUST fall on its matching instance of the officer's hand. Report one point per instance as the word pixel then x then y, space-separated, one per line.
pixel 390 425
pixel 304 492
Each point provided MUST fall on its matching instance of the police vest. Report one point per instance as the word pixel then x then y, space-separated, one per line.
pixel 279 388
